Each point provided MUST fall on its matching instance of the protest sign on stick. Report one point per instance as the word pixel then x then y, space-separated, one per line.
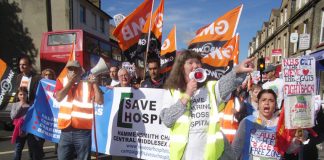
pixel 299 87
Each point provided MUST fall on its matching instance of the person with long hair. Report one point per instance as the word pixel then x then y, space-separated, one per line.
pixel 256 135
pixel 193 113
pixel 17 114
pixel 49 73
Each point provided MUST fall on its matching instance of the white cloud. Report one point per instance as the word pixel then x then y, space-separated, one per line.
pixel 111 9
pixel 186 21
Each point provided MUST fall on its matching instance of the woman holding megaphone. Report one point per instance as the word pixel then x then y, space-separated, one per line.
pixel 193 115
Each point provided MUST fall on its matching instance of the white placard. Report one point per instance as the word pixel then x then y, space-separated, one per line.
pixel 294 37
pixel 299 87
pixel 304 41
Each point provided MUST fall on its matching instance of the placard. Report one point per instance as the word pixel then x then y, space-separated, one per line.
pixel 299 88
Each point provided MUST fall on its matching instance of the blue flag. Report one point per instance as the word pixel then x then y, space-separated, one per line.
pixel 41 118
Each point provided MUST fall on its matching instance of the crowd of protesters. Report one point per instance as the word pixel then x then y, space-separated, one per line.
pixel 256 109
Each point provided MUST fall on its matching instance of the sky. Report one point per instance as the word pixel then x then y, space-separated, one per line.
pixel 190 15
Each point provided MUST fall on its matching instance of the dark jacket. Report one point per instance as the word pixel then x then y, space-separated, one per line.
pixel 33 85
pixel 149 84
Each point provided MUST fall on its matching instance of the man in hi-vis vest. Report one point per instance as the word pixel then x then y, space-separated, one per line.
pixel 76 99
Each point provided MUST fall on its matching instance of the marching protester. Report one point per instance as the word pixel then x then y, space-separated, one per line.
pixel 124 78
pixel 156 80
pixel 113 70
pixel 18 112
pixel 138 77
pixel 252 105
pixel 76 99
pixel 255 137
pixel 192 116
pixel 48 74
pixel 29 79
pixel 274 83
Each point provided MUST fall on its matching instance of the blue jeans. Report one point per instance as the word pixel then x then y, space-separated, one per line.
pixel 74 141
pixel 19 146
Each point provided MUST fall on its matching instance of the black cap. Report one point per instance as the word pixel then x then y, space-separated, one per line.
pixel 270 68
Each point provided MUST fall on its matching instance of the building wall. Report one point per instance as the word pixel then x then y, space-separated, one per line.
pixel 91 14
pixel 33 16
pixel 299 25
pixel 316 44
pixel 60 14
pixel 312 12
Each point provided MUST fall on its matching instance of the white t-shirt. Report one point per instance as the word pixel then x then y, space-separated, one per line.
pixel 199 114
pixel 277 86
pixel 114 82
pixel 25 82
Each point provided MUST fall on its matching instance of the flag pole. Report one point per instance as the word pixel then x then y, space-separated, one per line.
pixel 148 41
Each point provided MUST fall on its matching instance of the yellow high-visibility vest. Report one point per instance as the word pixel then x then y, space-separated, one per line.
pixel 180 130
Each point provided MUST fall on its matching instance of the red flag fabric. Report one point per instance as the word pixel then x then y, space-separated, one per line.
pixel 155 35
pixel 129 31
pixel 222 59
pixel 168 51
pixel 216 43
pixel 283 136
pixel 222 29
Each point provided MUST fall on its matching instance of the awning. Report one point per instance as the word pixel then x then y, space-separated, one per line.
pixel 319 57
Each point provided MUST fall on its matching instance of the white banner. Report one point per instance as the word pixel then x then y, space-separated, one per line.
pixel 135 129
pixel 299 86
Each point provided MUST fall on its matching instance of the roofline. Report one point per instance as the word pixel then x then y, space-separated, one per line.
pixel 99 9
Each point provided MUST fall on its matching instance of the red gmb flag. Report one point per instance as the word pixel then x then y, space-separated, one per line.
pixel 155 33
pixel 168 51
pixel 222 29
pixel 222 59
pixel 218 44
pixel 129 31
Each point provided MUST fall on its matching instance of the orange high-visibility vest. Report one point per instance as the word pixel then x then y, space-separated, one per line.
pixel 228 123
pixel 76 109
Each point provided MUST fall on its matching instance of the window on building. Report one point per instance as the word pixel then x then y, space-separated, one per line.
pixel 102 25
pixel 322 28
pixel 281 17
pixel 285 14
pixel 257 42
pixel 94 16
pixel 298 4
pixel 284 45
pixel 305 26
pixel 82 14
pixel 295 44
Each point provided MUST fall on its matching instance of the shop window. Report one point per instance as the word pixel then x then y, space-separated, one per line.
pixel 82 14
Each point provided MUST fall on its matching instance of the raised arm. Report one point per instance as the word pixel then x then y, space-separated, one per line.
pixel 229 82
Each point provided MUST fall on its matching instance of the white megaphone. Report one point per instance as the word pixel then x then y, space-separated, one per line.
pixel 198 74
pixel 100 67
